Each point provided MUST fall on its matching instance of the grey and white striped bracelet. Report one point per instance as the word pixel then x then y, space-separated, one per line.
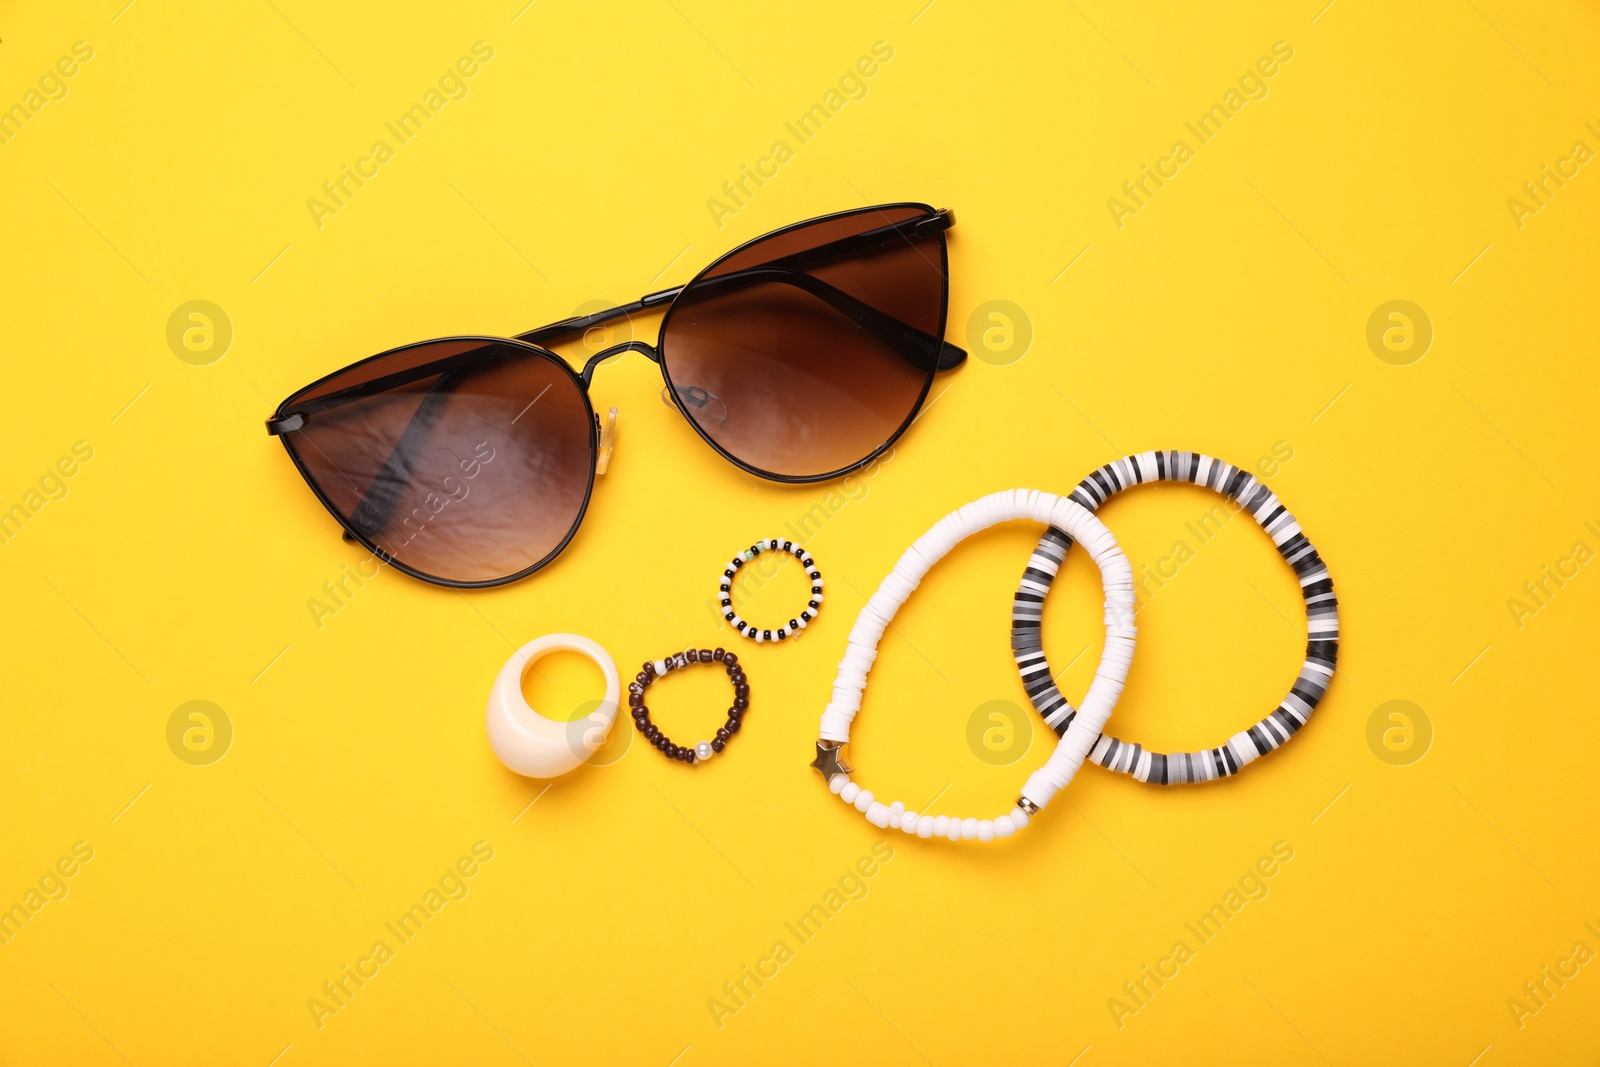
pixel 1316 586
pixel 799 622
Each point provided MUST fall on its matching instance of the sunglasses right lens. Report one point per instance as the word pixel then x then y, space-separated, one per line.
pixel 468 461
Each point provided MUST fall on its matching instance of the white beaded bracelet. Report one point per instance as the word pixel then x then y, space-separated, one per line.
pixel 1116 577
pixel 794 625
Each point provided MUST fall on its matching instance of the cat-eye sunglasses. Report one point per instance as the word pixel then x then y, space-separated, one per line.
pixel 800 356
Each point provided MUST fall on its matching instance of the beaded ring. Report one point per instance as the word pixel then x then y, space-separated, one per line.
pixel 656 669
pixel 811 610
pixel 1116 577
pixel 1322 620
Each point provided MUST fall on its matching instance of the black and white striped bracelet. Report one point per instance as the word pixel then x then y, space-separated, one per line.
pixel 1316 586
pixel 794 625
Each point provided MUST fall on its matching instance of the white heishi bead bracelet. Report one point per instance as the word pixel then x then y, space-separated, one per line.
pixel 1116 577
pixel 794 625
pixel 1316 588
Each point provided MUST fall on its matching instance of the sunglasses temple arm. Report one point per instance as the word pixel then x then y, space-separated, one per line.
pixel 918 346
pixel 922 227
pixel 294 419
pixel 543 335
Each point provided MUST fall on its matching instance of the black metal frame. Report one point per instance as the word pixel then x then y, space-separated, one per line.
pixel 930 351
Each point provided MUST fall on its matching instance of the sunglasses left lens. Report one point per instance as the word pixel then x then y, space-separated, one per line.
pixel 469 461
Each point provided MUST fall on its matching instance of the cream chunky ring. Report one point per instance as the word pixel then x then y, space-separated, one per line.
pixel 1116 577
pixel 1316 586
pixel 531 744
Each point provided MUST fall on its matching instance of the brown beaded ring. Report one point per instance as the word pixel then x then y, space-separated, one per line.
pixel 705 749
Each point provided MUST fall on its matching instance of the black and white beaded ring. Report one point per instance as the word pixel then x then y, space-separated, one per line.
pixel 654 669
pixel 794 625
pixel 1316 586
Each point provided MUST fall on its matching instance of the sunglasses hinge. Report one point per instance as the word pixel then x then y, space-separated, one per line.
pixel 938 222
pixel 285 424
pixel 665 296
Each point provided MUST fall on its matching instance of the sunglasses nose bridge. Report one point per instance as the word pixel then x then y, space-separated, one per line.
pixel 649 350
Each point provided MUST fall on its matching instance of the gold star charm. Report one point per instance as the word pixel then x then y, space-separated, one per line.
pixel 830 760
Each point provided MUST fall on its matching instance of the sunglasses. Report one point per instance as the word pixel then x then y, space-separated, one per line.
pixel 799 356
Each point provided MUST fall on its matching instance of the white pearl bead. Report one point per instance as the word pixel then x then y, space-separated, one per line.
pixel 1004 827
pixel 878 815
pixel 954 831
pixel 837 782
pixel 985 830
pixel 864 800
pixel 661 667
pixel 1019 818
pixel 897 808
pixel 925 826
pixel 894 819
pixel 941 825
pixel 703 751
pixel 969 829
pixel 849 793
pixel 908 822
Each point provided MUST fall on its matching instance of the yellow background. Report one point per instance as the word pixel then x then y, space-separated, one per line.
pixel 1227 315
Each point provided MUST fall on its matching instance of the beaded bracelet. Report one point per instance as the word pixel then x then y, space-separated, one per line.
pixel 656 669
pixel 1322 620
pixel 1116 578
pixel 724 594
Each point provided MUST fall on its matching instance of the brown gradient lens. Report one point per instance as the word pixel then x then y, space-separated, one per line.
pixel 803 353
pixel 467 461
